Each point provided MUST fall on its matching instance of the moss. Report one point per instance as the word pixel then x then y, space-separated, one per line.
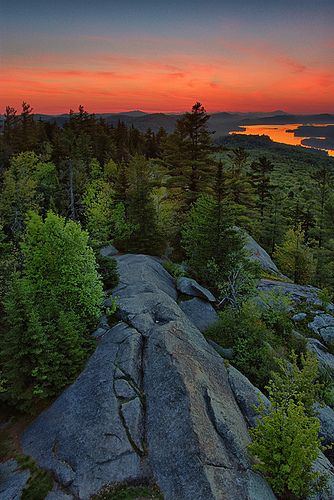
pixel 40 481
pixel 125 492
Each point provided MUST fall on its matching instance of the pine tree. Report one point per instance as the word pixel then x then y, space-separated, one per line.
pixel 239 190
pixel 140 209
pixel 28 184
pixel 188 154
pixel 52 305
pixel 294 257
pixel 260 180
pixel 215 248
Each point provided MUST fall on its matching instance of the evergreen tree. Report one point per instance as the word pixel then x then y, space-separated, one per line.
pixel 215 248
pixel 140 208
pixel 28 184
pixel 238 188
pixel 52 305
pixel 188 153
pixel 324 178
pixel 260 180
pixel 294 257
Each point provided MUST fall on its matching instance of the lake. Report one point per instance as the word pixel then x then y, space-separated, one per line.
pixel 286 134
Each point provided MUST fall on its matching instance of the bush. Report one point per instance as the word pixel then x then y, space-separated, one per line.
pixel 286 444
pixel 286 440
pixel 176 270
pixel 52 305
pixel 39 483
pixel 108 270
pixel 275 307
pixel 249 337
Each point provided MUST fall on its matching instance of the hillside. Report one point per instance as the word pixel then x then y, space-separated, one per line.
pixel 154 379
pixel 153 288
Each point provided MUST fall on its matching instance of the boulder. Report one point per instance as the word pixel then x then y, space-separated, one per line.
pixel 247 395
pixel 258 254
pixel 323 465
pixel 108 251
pixel 188 286
pixel 326 417
pixel 200 313
pixel 325 358
pixel 299 317
pixel 153 404
pixel 190 407
pixel 323 325
pixel 225 352
pixel 136 270
pixel 298 293
pixel 12 480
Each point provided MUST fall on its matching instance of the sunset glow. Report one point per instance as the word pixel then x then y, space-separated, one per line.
pixel 221 56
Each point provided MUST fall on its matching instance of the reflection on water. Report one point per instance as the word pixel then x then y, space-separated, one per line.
pixel 279 133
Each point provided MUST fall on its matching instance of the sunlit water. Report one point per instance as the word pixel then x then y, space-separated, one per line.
pixel 279 133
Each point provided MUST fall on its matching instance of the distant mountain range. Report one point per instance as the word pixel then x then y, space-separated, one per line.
pixel 220 123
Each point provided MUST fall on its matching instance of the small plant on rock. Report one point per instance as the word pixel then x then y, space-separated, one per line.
pixel 285 440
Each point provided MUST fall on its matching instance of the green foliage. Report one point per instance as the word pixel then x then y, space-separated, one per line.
pixel 53 302
pixel 105 217
pixel 125 492
pixel 141 212
pixel 296 383
pixel 325 296
pixel 215 248
pixel 294 257
pixel 28 184
pixel 40 481
pixel 275 307
pixel 8 264
pixel 176 270
pixel 249 337
pixel 187 153
pixel 286 440
pixel 326 387
pixel 286 444
pixel 108 270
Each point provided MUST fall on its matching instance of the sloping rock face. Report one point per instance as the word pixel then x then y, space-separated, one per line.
pixel 323 325
pixel 247 395
pixel 325 358
pixel 201 313
pixel 153 404
pixel 298 293
pixel 94 432
pixel 12 480
pixel 258 254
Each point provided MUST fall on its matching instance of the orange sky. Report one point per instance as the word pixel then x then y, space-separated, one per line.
pixel 231 63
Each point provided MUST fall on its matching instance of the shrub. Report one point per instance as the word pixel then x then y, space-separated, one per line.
pixel 326 297
pixel 108 270
pixel 39 483
pixel 286 443
pixel 250 339
pixel 275 307
pixel 52 305
pixel 127 492
pixel 296 383
pixel 176 270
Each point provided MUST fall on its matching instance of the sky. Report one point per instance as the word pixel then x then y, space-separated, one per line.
pixel 111 56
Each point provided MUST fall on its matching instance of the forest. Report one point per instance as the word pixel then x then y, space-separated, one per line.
pixel 67 191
